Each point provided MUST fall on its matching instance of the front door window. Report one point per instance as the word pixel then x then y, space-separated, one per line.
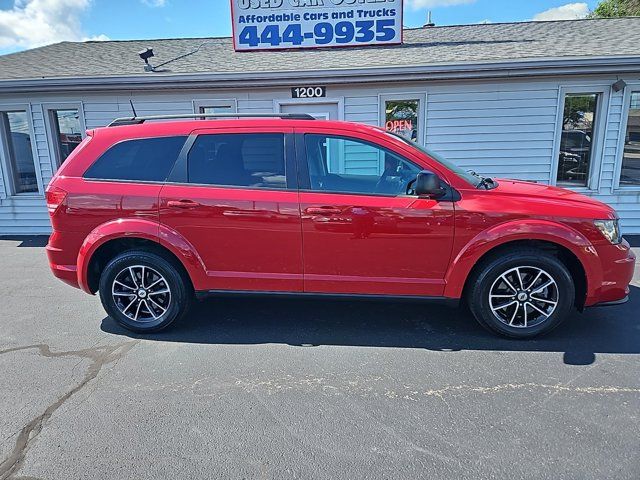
pixel 346 165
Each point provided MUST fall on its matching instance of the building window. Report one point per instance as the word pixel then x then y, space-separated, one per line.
pixel 402 117
pixel 577 141
pixel 630 172
pixel 67 131
pixel 217 109
pixel 215 106
pixel 16 135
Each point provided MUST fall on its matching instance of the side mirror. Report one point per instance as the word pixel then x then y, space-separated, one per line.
pixel 428 185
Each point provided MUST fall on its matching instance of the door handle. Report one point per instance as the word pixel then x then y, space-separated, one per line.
pixel 182 204
pixel 323 210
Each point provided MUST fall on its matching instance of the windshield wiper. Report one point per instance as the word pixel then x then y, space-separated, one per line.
pixel 487 183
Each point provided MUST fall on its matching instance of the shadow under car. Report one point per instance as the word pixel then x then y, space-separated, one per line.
pixel 391 324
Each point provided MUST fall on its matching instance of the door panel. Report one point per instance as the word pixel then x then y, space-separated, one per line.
pixel 248 238
pixel 375 245
pixel 362 232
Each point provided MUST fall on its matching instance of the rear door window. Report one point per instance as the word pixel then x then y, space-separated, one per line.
pixel 254 160
pixel 142 160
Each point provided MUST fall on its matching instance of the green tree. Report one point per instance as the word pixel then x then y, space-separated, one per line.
pixel 617 8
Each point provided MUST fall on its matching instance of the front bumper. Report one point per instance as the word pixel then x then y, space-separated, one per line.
pixel 617 267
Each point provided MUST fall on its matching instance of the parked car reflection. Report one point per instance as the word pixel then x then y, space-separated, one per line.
pixel 575 154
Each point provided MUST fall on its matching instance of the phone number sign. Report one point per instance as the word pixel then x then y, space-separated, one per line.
pixel 284 24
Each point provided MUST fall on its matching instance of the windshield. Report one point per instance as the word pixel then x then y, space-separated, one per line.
pixel 474 180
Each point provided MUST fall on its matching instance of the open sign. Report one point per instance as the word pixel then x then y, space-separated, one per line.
pixel 399 125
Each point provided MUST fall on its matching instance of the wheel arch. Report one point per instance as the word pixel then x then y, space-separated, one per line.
pixel 573 249
pixel 566 256
pixel 112 238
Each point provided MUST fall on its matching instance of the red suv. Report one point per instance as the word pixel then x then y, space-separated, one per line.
pixel 151 213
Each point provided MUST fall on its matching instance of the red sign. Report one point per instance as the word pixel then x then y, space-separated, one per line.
pixel 399 125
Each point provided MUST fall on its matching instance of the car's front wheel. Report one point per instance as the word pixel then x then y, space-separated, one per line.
pixel 143 291
pixel 522 294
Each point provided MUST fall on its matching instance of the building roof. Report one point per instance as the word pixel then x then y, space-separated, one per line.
pixel 457 45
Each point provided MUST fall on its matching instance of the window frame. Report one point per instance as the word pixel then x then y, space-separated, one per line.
pixel 6 166
pixel 199 105
pixel 632 87
pixel 278 103
pixel 179 175
pixel 304 178
pixel 48 112
pixel 600 126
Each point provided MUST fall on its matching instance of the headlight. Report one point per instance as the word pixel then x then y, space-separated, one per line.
pixel 610 229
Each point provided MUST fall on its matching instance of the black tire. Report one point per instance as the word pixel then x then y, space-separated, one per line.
pixel 175 303
pixel 488 277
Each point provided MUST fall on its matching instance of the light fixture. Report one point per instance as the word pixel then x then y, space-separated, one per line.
pixel 619 85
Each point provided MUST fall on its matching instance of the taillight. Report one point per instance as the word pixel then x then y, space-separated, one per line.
pixel 55 198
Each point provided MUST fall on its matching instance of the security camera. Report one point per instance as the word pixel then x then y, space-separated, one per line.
pixel 145 55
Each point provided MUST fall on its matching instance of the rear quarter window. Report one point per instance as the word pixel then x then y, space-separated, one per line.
pixel 143 160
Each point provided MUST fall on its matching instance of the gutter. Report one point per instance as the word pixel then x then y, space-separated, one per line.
pixel 449 71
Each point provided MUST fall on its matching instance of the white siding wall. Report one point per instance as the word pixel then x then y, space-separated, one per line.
pixel 612 136
pixel 502 129
pixel 3 189
pixel 506 131
pixel 361 108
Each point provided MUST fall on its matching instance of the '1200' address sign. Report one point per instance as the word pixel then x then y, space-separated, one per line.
pixel 279 24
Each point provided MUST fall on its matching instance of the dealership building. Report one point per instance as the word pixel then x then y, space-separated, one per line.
pixel 551 102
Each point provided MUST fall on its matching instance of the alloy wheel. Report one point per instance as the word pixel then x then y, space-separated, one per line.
pixel 141 293
pixel 524 297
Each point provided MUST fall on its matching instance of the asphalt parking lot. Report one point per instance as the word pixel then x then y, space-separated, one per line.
pixel 307 389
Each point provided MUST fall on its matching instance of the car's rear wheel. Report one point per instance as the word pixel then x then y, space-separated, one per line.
pixel 522 294
pixel 143 291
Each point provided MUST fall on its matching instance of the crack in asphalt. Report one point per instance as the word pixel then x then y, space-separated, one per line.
pixel 99 356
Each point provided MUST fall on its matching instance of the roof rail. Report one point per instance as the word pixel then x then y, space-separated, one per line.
pixel 138 120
